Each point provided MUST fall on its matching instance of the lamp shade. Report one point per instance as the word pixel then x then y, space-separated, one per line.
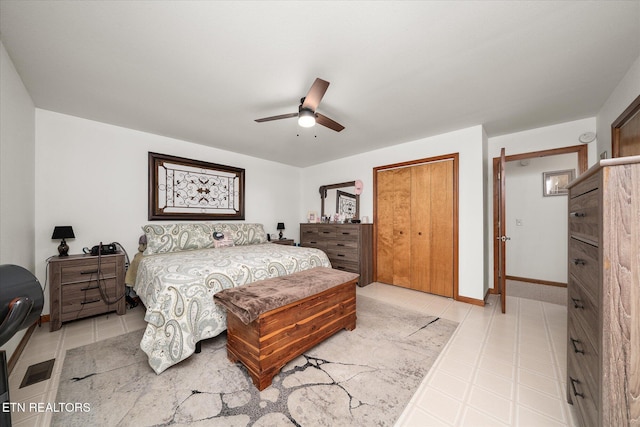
pixel 63 232
pixel 280 226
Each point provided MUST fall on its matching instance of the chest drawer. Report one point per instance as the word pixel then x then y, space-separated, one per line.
pixel 583 310
pixel 583 266
pixel 581 393
pixel 585 357
pixel 583 215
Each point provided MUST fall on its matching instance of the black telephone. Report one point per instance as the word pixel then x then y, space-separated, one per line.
pixel 109 249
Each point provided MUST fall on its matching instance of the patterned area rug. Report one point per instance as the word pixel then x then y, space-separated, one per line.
pixel 362 377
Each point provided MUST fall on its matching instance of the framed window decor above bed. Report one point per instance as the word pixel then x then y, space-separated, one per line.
pixel 186 189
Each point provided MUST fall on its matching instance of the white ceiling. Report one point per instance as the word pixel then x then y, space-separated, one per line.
pixel 399 71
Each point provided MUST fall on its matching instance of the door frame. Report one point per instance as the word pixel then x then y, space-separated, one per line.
pixel 581 150
pixel 455 158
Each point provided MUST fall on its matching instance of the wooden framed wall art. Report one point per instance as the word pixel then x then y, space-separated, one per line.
pixel 186 189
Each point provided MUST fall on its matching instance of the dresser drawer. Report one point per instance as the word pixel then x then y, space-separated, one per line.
pixel 341 264
pixel 308 230
pixel 583 266
pixel 583 310
pixel 84 270
pixel 342 254
pixel 314 242
pixel 326 231
pixel 343 245
pixel 583 216
pixel 348 232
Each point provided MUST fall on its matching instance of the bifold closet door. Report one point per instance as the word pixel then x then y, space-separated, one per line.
pixel 415 227
pixel 441 222
pixel 394 226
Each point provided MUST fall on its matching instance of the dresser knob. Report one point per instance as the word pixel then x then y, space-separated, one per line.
pixel 578 261
pixel 578 214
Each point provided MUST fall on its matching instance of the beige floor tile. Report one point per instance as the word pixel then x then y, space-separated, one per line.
pixel 439 405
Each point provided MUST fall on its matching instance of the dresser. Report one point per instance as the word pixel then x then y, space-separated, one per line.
pixel 80 284
pixel 348 246
pixel 603 324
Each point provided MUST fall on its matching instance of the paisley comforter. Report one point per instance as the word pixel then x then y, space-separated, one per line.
pixel 177 290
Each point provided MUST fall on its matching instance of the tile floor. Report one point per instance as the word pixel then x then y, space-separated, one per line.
pixel 497 370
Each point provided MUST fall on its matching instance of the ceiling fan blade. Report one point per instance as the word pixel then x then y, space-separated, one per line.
pixel 315 94
pixel 281 116
pixel 326 121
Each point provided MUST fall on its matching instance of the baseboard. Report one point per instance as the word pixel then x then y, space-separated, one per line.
pixel 474 301
pixel 537 281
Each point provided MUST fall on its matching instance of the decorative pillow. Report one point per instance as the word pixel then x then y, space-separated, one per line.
pixel 177 237
pixel 242 233
pixel 190 236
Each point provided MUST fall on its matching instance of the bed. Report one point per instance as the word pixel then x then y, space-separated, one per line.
pixel 181 269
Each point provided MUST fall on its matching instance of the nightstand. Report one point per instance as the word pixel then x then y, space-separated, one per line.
pixel 287 242
pixel 78 290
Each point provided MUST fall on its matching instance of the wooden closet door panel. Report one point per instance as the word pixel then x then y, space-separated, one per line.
pixel 384 226
pixel 442 228
pixel 421 227
pixel 402 227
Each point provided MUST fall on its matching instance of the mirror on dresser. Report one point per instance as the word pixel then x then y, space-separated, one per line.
pixel 341 199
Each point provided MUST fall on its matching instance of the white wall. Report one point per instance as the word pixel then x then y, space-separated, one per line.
pixel 536 224
pixel 93 176
pixel 545 138
pixel 468 142
pixel 17 175
pixel 627 90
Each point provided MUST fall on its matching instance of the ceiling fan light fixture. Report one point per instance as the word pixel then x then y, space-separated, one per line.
pixel 306 118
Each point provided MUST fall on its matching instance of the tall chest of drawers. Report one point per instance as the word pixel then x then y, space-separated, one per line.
pixel 348 246
pixel 83 285
pixel 603 325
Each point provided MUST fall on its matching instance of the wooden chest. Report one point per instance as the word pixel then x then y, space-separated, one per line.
pixel 278 336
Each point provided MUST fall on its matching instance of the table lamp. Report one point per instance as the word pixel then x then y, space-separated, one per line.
pixel 280 227
pixel 63 232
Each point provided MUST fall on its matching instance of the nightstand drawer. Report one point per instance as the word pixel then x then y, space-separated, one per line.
pixel 86 270
pixel 81 296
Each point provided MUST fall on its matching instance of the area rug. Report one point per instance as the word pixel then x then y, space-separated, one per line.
pixel 363 377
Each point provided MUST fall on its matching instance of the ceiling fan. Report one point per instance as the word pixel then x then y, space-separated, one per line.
pixel 307 115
